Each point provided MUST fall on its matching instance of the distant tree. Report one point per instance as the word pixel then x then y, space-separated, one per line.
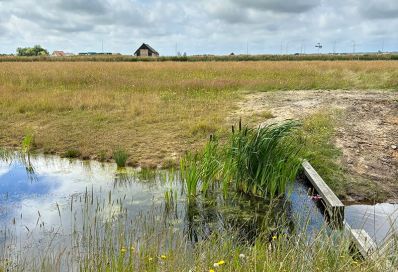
pixel 37 50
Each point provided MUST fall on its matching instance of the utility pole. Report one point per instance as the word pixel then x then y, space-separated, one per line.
pixel 353 46
pixel 301 47
pixel 319 46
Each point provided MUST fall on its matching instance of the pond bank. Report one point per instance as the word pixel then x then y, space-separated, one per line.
pixel 366 133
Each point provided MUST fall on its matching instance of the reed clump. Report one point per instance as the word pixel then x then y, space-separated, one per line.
pixel 261 161
pixel 120 156
pixel 72 153
pixel 27 142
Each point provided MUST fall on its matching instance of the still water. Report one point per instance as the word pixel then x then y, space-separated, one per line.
pixel 45 199
pixel 42 195
pixel 379 220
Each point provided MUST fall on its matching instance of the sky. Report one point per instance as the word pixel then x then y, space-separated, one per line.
pixel 200 26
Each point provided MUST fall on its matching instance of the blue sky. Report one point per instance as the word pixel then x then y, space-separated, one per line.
pixel 201 26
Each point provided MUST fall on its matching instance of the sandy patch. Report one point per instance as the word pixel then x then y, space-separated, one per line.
pixel 367 133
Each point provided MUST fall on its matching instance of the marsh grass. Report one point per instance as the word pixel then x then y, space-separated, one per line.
pixel 120 156
pixel 113 242
pixel 190 173
pixel 261 161
pixel 6 155
pixel 317 137
pixel 159 109
pixel 27 142
pixel 71 153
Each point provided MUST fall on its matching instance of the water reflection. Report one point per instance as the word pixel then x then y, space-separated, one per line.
pixel 53 195
pixel 379 220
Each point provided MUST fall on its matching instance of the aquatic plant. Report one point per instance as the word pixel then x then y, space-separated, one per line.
pixel 210 163
pixel 120 156
pixel 259 161
pixel 190 173
pixel 201 169
pixel 262 161
pixel 27 142
pixel 5 154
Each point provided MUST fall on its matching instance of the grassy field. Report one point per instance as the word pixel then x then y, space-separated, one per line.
pixel 201 58
pixel 151 113
pixel 154 111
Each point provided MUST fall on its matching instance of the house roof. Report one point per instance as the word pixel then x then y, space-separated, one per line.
pixel 146 46
pixel 59 53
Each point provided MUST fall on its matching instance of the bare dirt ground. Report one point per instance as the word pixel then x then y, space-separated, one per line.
pixel 367 134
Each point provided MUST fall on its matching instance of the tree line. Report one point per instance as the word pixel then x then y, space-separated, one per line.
pixel 36 50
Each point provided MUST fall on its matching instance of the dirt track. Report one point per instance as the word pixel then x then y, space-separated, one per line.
pixel 367 134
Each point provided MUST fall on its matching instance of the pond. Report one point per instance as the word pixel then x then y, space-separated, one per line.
pixel 50 203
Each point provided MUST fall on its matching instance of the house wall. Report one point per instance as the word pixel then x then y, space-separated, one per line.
pixel 144 53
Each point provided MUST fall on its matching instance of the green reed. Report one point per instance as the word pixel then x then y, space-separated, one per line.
pixel 120 156
pixel 27 143
pixel 190 173
pixel 263 161
pixel 259 161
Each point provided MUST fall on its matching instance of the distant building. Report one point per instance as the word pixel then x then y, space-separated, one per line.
pixel 94 53
pixel 61 54
pixel 145 50
pixel 58 54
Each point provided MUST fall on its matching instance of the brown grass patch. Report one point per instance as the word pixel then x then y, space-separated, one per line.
pixel 152 110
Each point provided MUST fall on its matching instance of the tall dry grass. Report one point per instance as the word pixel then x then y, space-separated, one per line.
pixel 155 111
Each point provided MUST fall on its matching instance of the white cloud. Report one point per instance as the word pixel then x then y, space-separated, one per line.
pixel 199 27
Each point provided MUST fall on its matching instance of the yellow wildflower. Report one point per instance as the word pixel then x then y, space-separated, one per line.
pixel 274 237
pixel 150 259
pixel 163 257
pixel 221 262
pixel 123 250
pixel 211 270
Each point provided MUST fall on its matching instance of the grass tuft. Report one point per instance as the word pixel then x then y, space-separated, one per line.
pixel 27 143
pixel 72 153
pixel 120 156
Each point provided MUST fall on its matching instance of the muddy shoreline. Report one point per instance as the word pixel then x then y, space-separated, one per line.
pixel 367 133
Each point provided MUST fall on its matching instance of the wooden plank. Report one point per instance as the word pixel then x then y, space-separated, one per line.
pixel 363 242
pixel 389 244
pixel 334 206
